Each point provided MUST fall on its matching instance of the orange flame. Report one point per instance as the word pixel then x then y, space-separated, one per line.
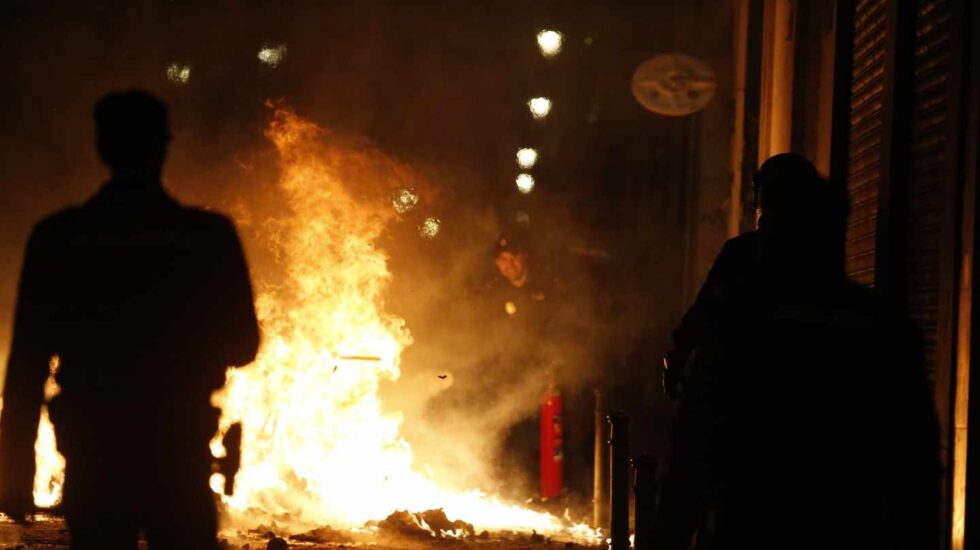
pixel 318 449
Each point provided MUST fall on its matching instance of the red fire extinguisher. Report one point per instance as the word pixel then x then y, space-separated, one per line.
pixel 551 443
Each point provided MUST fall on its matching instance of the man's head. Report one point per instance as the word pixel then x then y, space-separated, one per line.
pixel 511 262
pixel 782 182
pixel 132 134
pixel 802 222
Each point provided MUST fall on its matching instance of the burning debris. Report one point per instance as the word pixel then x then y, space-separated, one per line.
pixel 324 535
pixel 317 447
pixel 425 525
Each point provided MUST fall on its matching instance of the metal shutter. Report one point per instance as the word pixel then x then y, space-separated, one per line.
pixel 864 151
pixel 928 157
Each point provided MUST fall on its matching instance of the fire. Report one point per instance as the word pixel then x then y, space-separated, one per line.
pixel 49 477
pixel 318 449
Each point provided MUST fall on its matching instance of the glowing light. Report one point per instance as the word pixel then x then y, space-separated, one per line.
pixel 179 74
pixel 49 478
pixel 271 56
pixel 510 308
pixel 540 107
pixel 404 200
pixel 525 183
pixel 430 228
pixel 549 42
pixel 526 157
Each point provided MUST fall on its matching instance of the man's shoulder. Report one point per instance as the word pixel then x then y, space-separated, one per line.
pixel 736 261
pixel 59 223
pixel 744 243
pixel 206 219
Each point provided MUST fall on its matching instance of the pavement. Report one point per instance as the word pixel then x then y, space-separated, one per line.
pixel 49 532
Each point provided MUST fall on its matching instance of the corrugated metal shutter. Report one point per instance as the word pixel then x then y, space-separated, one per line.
pixel 864 151
pixel 928 154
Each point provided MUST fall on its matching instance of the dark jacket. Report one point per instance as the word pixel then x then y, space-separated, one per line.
pixel 737 262
pixel 145 303
pixel 807 422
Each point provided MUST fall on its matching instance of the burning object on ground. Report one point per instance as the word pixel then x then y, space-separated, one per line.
pixel 324 535
pixel 425 525
pixel 328 311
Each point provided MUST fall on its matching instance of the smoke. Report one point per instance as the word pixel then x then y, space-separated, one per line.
pixel 475 369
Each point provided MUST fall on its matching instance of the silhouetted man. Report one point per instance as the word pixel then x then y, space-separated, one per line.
pixel 146 303
pixel 807 421
pixel 737 262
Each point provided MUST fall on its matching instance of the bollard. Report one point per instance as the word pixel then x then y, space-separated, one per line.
pixel 619 482
pixel 600 466
pixel 644 500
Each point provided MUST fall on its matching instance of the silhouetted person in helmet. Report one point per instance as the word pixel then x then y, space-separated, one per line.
pixel 145 302
pixel 807 421
pixel 737 262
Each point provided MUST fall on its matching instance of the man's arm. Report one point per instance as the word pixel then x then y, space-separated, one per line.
pixel 733 262
pixel 913 465
pixel 27 370
pixel 691 475
pixel 239 328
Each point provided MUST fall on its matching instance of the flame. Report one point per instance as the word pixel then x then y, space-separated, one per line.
pixel 318 448
pixel 49 475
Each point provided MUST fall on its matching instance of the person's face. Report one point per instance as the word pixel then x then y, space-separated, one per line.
pixel 511 265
